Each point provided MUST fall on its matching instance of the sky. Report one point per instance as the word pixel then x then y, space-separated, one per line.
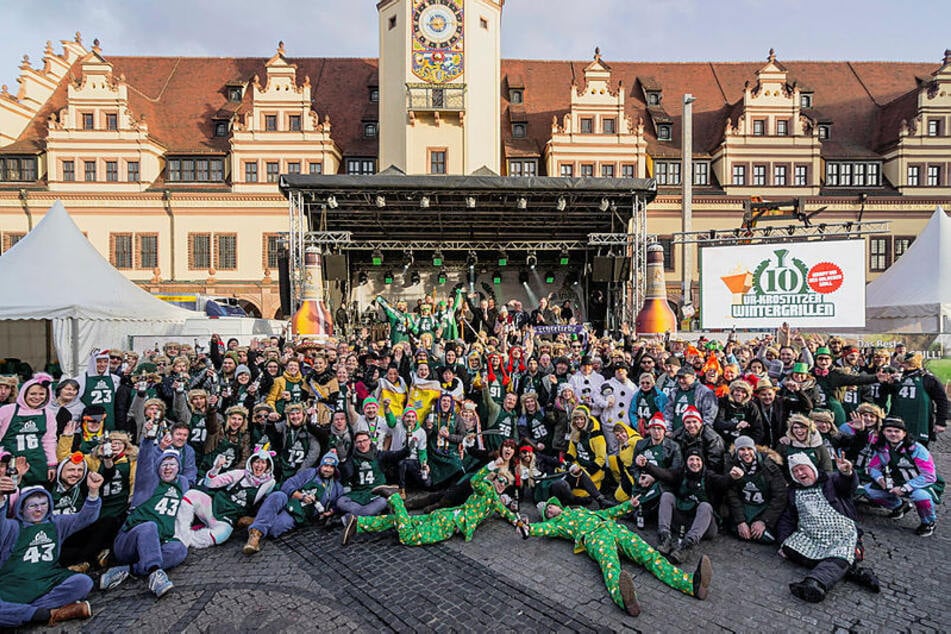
pixel 625 30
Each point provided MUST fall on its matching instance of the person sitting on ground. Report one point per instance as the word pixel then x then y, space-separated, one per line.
pixel 818 529
pixel 36 588
pixel 903 473
pixel 307 498
pixel 604 540
pixel 757 496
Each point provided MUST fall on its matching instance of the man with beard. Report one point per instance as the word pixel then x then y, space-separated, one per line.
pixel 690 393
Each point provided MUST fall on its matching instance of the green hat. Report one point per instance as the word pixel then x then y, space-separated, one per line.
pixel 823 352
pixel 801 367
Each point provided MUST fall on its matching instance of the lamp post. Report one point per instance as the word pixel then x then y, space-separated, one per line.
pixel 686 180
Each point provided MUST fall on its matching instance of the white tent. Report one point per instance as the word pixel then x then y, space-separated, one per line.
pixel 54 273
pixel 914 294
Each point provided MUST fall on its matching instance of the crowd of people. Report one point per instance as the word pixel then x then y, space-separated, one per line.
pixel 559 429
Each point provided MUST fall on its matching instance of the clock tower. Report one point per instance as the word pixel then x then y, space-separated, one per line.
pixel 439 80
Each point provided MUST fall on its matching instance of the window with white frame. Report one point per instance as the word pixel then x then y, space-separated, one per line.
pixel 759 175
pixel 739 175
pixel 779 175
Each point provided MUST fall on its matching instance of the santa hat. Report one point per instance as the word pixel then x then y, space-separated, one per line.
pixel 657 420
pixel 691 412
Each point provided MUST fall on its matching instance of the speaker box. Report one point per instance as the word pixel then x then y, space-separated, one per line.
pixel 335 267
pixel 602 269
pixel 284 282
pixel 622 269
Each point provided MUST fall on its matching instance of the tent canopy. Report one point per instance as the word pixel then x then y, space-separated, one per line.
pixel 914 294
pixel 55 273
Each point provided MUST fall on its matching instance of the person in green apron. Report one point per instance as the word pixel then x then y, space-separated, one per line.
pixel 604 540
pixel 99 386
pixel 28 429
pixel 757 496
pixel 232 494
pixel 84 435
pixel 919 399
pixel 299 448
pixel 231 440
pixel 400 323
pixel 200 408
pixel 288 388
pixel 832 383
pixel 36 588
pixel 655 459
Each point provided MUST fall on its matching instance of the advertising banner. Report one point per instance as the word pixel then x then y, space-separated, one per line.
pixel 805 284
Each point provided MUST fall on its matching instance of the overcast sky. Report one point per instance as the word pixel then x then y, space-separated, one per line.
pixel 630 30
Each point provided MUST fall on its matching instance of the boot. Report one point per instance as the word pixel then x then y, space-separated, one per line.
pixel 629 594
pixel 70 611
pixel 683 552
pixel 808 590
pixel 701 578
pixel 82 567
pixel 864 577
pixel 349 530
pixel 254 542
pixel 386 490
pixel 665 543
pixel 244 522
pixel 103 558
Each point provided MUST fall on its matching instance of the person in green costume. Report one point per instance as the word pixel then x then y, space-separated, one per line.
pixel 604 539
pixel 442 524
pixel 36 588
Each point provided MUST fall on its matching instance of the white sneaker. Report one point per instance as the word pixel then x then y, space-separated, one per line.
pixel 113 577
pixel 159 583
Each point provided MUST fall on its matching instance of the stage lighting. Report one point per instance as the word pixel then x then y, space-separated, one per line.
pixel 562 203
pixel 362 278
pixel 388 277
pixel 550 277
pixel 531 260
pixel 604 204
pixel 380 202
pixel 470 202
pixel 522 202
pixel 437 258
pixel 503 258
pixel 414 278
pixel 564 257
pixel 424 202
pixel 441 277
pixel 471 260
pixel 332 202
pixel 497 277
pixel 407 260
pixel 523 277
pixel 377 257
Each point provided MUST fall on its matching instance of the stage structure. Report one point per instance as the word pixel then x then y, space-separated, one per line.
pixel 594 229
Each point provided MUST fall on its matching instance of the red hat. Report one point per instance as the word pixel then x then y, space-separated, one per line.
pixel 691 412
pixel 657 420
pixel 526 447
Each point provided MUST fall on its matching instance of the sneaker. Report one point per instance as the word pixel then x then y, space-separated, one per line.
pixel 349 530
pixel 82 567
pixel 70 611
pixel 898 513
pixel 925 529
pixel 385 490
pixel 701 578
pixel 683 552
pixel 113 577
pixel 159 583
pixel 665 543
pixel 629 594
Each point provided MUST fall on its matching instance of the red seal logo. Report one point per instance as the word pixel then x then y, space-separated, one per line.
pixel 825 277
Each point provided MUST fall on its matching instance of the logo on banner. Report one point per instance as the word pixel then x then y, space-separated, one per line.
pixel 784 287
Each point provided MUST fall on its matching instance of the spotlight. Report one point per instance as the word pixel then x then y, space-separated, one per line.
pixel 380 202
pixel 571 278
pixel 850 224
pixel 497 277
pixel 562 203
pixel 441 277
pixel 414 278
pixel 790 230
pixel 424 202
pixel 531 260
pixel 362 278
pixel 767 231
pixel 471 260
pixel 564 257
pixel 523 277
pixel 437 258
pixel 407 260
pixel 604 204
pixel 522 202
pixel 388 277
pixel 332 202
pixel 550 277
pixel 503 258
pixel 822 228
pixel 713 234
pixel 377 257
pixel 470 202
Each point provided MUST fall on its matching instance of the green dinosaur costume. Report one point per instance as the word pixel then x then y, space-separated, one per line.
pixel 440 525
pixel 603 538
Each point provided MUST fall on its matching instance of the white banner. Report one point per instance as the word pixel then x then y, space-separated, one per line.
pixel 806 284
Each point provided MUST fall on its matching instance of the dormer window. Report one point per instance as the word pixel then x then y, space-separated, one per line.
pixel 805 100
pixel 235 93
pixel 516 95
pixel 664 132
pixel 825 131
pixel 374 94
pixel 934 127
pixel 519 130
pixel 653 98
pixel 293 123
pixel 88 121
pixel 759 127
pixel 270 122
pixel 587 125
pixel 370 129
pixel 221 128
pixel 112 121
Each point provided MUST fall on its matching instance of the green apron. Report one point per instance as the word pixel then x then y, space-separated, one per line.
pixel 33 567
pixel 101 390
pixel 24 437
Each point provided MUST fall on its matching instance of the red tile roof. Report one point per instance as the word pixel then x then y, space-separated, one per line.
pixel 180 97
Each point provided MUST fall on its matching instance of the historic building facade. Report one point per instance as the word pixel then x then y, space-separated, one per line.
pixel 170 164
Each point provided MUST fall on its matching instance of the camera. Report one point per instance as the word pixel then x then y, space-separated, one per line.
pixel 106 450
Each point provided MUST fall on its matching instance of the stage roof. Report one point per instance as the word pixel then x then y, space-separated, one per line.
pixel 395 206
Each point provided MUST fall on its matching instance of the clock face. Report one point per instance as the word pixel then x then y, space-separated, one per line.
pixel 438 24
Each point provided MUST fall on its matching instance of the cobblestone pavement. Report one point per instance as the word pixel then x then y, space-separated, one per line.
pixel 306 581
